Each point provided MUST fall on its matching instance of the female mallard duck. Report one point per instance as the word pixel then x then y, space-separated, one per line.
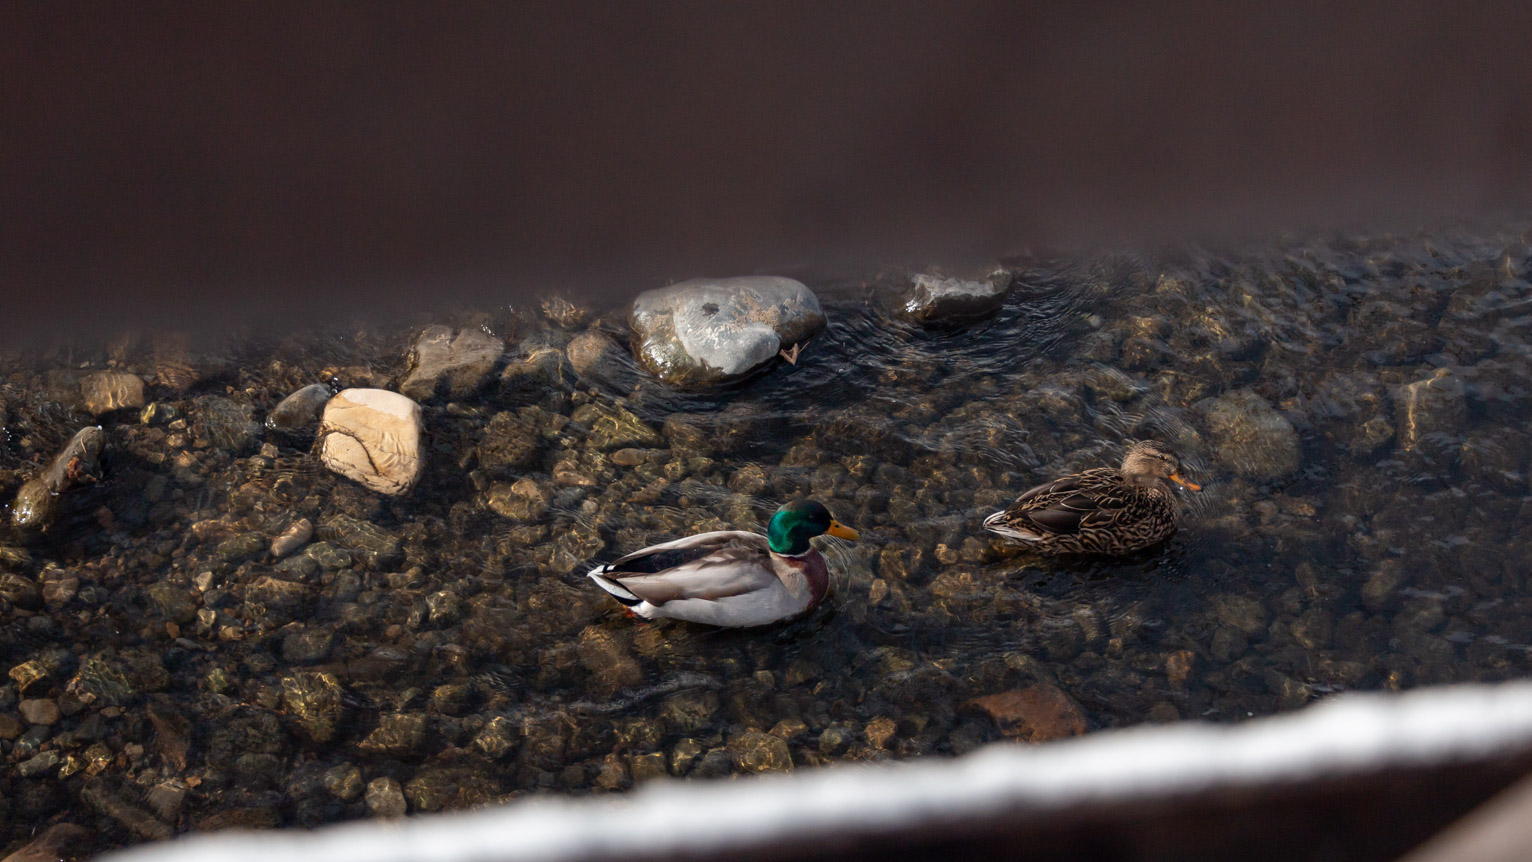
pixel 729 578
pixel 1101 511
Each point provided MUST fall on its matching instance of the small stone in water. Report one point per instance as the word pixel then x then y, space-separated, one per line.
pixel 299 412
pixel 1037 713
pixel 595 356
pixel 167 798
pixel 291 539
pixel 1435 405
pixel 760 752
pixel 39 711
pixel 880 730
pixel 1252 439
pixel 385 798
pixel 646 767
pixel 38 764
pixel 498 737
pixel 344 781
pixel 1178 667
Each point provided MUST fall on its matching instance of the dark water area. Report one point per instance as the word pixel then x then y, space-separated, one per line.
pixel 1355 407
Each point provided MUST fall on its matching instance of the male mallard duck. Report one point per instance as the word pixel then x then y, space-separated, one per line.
pixel 1101 511
pixel 731 577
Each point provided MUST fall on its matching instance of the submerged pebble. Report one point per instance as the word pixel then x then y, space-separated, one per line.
pixel 299 412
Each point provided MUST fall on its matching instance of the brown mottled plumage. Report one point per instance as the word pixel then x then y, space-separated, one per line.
pixel 1101 511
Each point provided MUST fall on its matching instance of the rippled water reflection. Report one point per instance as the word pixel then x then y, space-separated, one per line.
pixel 475 661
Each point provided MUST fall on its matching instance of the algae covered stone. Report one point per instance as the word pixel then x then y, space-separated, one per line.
pixel 707 331
pixel 372 436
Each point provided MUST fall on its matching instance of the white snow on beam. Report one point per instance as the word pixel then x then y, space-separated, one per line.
pixel 1344 735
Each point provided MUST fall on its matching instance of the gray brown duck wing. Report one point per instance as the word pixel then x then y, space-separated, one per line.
pixel 708 566
pixel 1094 499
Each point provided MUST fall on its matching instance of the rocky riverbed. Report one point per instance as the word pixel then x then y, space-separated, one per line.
pixel 205 624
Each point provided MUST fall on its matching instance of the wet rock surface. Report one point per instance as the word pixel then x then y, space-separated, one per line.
pixel 180 656
pixel 41 499
pixel 454 364
pixel 299 412
pixel 372 436
pixel 938 299
pixel 706 331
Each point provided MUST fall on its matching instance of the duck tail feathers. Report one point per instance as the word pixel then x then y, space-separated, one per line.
pixel 618 591
pixel 999 524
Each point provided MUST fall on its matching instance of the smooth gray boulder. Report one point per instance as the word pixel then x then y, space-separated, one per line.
pixel 707 331
pixel 1251 437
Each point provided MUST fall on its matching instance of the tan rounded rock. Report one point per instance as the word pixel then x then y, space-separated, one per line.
pixel 372 436
pixel 106 391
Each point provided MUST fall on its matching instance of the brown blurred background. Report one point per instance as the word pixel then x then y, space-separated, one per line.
pixel 178 162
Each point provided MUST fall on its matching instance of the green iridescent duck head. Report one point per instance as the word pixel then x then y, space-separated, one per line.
pixel 795 523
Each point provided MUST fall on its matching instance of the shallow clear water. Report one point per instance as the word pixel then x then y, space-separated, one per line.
pixel 1354 533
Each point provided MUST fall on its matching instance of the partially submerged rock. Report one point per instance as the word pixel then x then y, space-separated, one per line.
pixel 935 299
pixel 596 357
pixel 78 463
pixel 299 412
pixel 372 436
pixel 707 331
pixel 457 365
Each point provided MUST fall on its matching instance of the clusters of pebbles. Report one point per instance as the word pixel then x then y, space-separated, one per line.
pixel 205 623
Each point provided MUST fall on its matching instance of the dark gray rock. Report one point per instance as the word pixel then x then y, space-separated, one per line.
pixel 508 445
pixel 299 412
pixel 936 299
pixel 172 602
pixel 597 358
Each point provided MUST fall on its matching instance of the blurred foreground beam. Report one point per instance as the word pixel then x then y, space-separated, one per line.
pixel 1356 777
